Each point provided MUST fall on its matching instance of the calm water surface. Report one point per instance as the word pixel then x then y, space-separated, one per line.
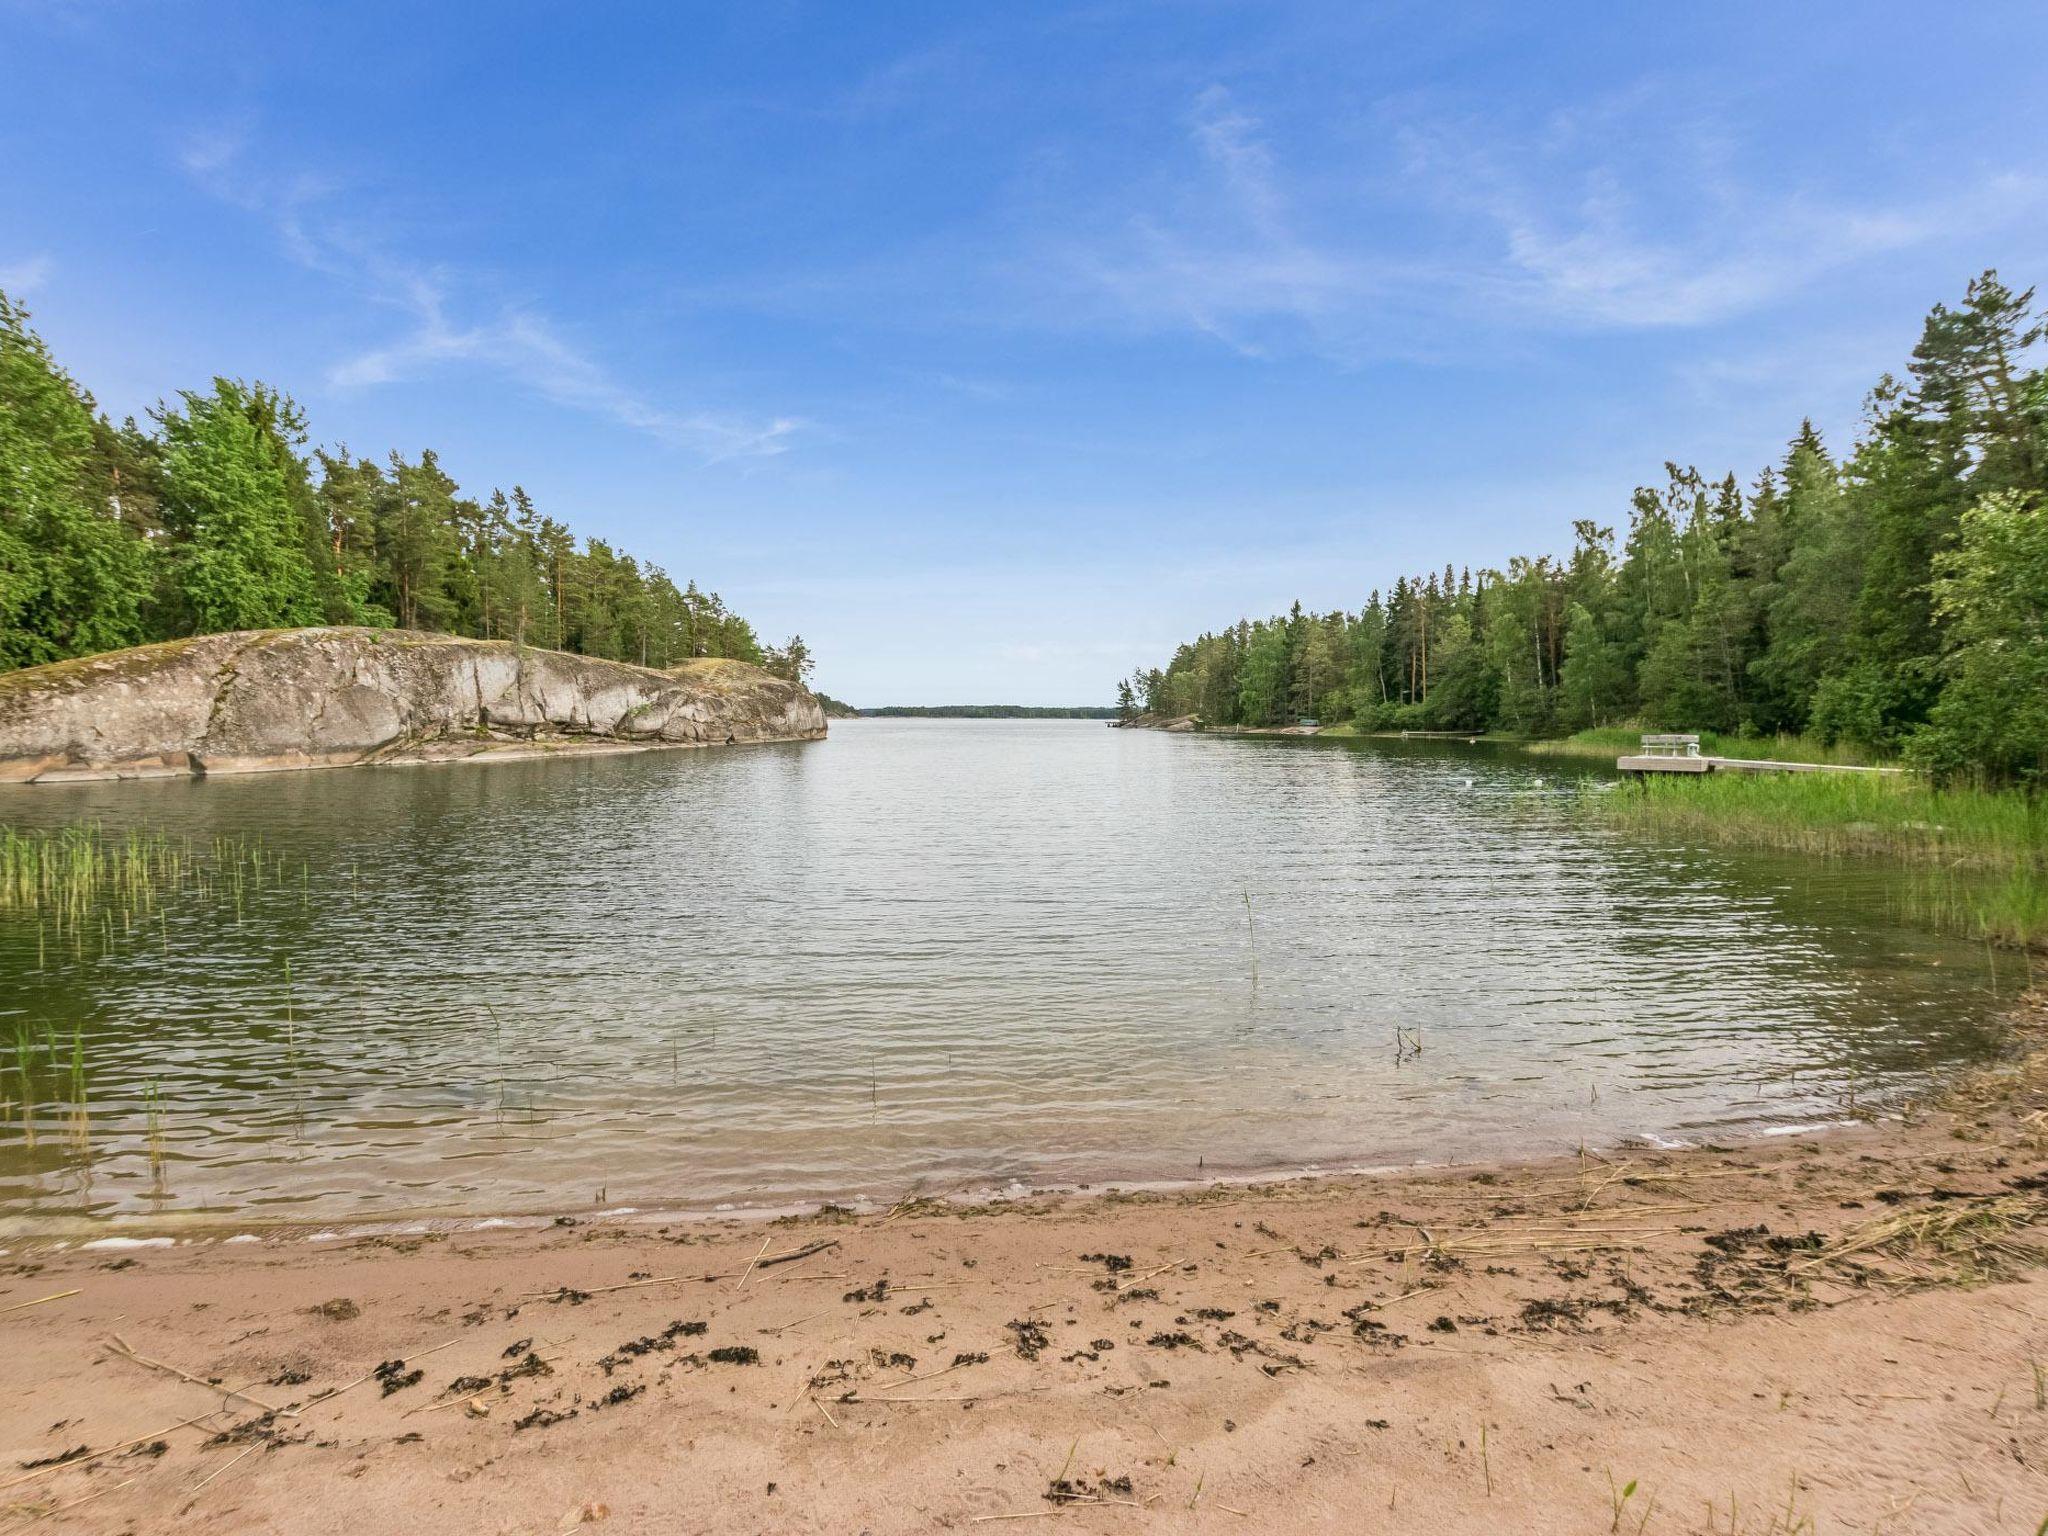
pixel 930 954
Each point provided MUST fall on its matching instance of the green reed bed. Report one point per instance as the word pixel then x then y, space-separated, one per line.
pixel 2012 911
pixel 65 872
pixel 1979 857
pixel 83 885
pixel 1829 814
pixel 46 1068
pixel 78 894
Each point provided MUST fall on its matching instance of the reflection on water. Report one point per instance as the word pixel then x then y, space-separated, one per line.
pixel 925 954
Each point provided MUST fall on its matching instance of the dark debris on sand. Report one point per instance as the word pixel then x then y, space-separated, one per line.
pixel 1031 1337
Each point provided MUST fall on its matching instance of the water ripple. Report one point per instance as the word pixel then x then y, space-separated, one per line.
pixel 927 954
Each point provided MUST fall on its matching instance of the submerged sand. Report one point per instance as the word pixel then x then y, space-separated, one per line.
pixel 1834 1333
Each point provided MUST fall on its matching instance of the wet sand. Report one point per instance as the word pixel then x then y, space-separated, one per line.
pixel 1835 1333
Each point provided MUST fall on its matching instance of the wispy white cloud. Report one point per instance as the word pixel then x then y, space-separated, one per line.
pixel 446 322
pixel 26 275
pixel 1618 219
pixel 526 347
pixel 1226 257
pixel 1615 215
pixel 973 388
pixel 903 82
pixel 209 155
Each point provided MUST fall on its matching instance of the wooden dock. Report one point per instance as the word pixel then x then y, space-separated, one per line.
pixel 1736 765
pixel 1681 754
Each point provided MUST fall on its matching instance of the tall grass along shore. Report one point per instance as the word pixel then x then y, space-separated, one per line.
pixel 1981 854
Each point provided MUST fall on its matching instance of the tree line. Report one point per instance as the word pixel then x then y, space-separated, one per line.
pixel 214 516
pixel 1894 596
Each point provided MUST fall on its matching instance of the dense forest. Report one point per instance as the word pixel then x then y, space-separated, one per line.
pixel 1893 596
pixel 215 517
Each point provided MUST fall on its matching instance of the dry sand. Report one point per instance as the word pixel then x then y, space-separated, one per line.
pixel 1842 1333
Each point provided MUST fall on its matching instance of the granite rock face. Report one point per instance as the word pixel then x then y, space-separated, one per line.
pixel 260 700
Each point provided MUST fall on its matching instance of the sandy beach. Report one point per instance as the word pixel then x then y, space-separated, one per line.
pixel 1840 1332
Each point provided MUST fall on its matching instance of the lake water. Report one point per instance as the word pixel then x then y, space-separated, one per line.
pixel 924 955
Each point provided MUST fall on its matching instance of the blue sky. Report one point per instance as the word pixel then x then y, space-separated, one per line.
pixel 997 349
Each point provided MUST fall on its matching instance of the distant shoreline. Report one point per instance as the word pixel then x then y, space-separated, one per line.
pixel 988 712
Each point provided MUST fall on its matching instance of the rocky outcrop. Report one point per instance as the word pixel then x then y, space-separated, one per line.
pixel 260 700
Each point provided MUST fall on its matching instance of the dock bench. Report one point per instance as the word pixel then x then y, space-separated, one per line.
pixel 1674 745
pixel 1670 752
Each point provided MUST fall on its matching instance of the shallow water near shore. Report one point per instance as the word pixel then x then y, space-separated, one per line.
pixel 927 955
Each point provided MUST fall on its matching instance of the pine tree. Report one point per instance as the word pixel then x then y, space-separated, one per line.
pixel 416 541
